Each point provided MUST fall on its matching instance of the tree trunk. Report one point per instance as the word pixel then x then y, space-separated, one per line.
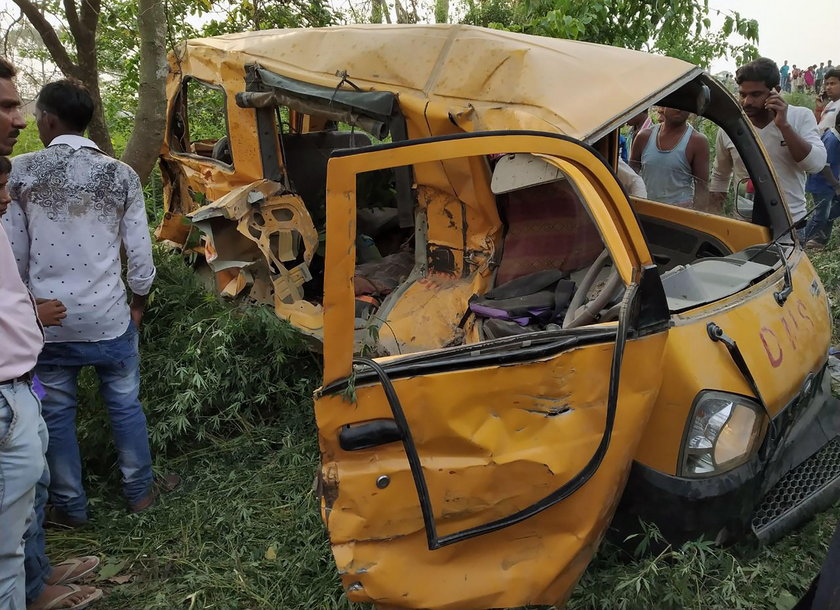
pixel 143 146
pixel 98 128
pixel 86 68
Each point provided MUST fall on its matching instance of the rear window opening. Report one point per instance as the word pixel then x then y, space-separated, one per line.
pixel 199 126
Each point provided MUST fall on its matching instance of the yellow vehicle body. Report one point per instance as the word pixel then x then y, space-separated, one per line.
pixel 473 461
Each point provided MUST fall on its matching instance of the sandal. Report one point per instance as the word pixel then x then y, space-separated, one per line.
pixel 56 602
pixel 73 569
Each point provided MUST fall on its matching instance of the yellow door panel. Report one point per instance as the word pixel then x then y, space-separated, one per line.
pixel 482 475
pixel 492 441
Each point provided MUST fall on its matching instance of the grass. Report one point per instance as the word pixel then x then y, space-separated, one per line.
pixel 245 531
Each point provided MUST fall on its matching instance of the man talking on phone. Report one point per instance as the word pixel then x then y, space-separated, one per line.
pixel 789 134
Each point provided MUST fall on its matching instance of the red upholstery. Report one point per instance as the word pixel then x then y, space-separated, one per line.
pixel 548 228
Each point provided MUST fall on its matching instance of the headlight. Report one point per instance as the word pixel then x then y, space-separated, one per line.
pixel 724 431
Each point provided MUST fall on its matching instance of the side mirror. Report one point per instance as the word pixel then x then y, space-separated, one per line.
pixel 743 200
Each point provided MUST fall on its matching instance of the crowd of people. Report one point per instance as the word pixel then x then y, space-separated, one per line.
pixel 804 80
pixel 672 164
pixel 67 210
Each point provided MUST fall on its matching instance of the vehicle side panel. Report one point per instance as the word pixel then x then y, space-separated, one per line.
pixel 492 441
pixel 779 344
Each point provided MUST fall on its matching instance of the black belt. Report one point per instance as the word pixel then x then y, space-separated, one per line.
pixel 27 377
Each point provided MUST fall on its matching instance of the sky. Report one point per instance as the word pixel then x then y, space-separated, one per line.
pixel 803 33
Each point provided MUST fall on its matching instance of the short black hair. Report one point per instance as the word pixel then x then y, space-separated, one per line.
pixel 5 166
pixel 761 70
pixel 7 70
pixel 69 100
pixel 832 73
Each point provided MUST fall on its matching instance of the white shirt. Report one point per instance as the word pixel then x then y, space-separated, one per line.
pixel 72 208
pixel 630 180
pixel 790 173
pixel 828 118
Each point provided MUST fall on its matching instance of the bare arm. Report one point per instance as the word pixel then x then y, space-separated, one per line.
pixel 699 152
pixel 639 143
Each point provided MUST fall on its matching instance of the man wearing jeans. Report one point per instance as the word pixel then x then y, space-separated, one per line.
pixel 78 206
pixel 21 451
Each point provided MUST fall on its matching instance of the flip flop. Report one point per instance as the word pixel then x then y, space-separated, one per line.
pixel 66 572
pixel 55 603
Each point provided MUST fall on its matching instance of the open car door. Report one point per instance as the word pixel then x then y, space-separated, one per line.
pixel 483 475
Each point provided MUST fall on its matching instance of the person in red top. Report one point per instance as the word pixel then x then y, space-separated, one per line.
pixel 810 78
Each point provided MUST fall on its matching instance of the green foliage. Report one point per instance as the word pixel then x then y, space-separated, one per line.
pixel 799 98
pixel 700 575
pixel 209 369
pixel 244 532
pixel 679 28
pixel 205 112
pixel 262 15
pixel 490 13
pixel 28 140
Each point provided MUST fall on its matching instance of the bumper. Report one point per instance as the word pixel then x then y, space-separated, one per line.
pixel 778 489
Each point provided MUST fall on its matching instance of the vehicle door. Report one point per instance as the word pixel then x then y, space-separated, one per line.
pixel 483 475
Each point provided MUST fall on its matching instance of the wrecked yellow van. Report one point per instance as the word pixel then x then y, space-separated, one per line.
pixel 518 356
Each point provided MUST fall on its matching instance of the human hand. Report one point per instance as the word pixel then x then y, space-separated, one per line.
pixel 778 107
pixel 136 314
pixel 51 311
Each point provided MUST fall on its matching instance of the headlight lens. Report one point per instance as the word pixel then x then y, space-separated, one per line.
pixel 724 431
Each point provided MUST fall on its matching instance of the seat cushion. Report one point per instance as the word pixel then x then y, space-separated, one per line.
pixel 548 227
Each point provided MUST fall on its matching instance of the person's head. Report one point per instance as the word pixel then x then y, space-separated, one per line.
pixel 673 117
pixel 822 64
pixel 11 118
pixel 63 107
pixel 5 170
pixel 637 121
pixel 785 62
pixel 831 83
pixel 756 81
pixel 829 63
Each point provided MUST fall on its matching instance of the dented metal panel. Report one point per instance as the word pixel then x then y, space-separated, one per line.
pixel 491 441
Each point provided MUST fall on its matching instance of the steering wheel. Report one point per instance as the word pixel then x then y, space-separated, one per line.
pixel 221 150
pixel 579 314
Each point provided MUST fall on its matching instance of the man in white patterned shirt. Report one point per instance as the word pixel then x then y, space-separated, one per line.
pixel 73 207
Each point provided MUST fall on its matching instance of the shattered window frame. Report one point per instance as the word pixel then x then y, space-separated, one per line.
pixel 181 116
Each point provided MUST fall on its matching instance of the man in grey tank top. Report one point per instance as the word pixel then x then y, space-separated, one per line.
pixel 673 160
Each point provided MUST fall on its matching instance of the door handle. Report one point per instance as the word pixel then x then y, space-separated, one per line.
pixel 355 437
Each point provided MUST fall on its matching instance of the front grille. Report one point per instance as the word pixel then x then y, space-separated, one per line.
pixel 798 487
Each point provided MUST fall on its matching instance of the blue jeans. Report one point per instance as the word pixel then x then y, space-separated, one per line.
pixel 117 363
pixel 826 210
pixel 36 564
pixel 21 465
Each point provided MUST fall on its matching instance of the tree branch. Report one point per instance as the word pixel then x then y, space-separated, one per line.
pixel 49 36
pixel 72 17
pixel 90 15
